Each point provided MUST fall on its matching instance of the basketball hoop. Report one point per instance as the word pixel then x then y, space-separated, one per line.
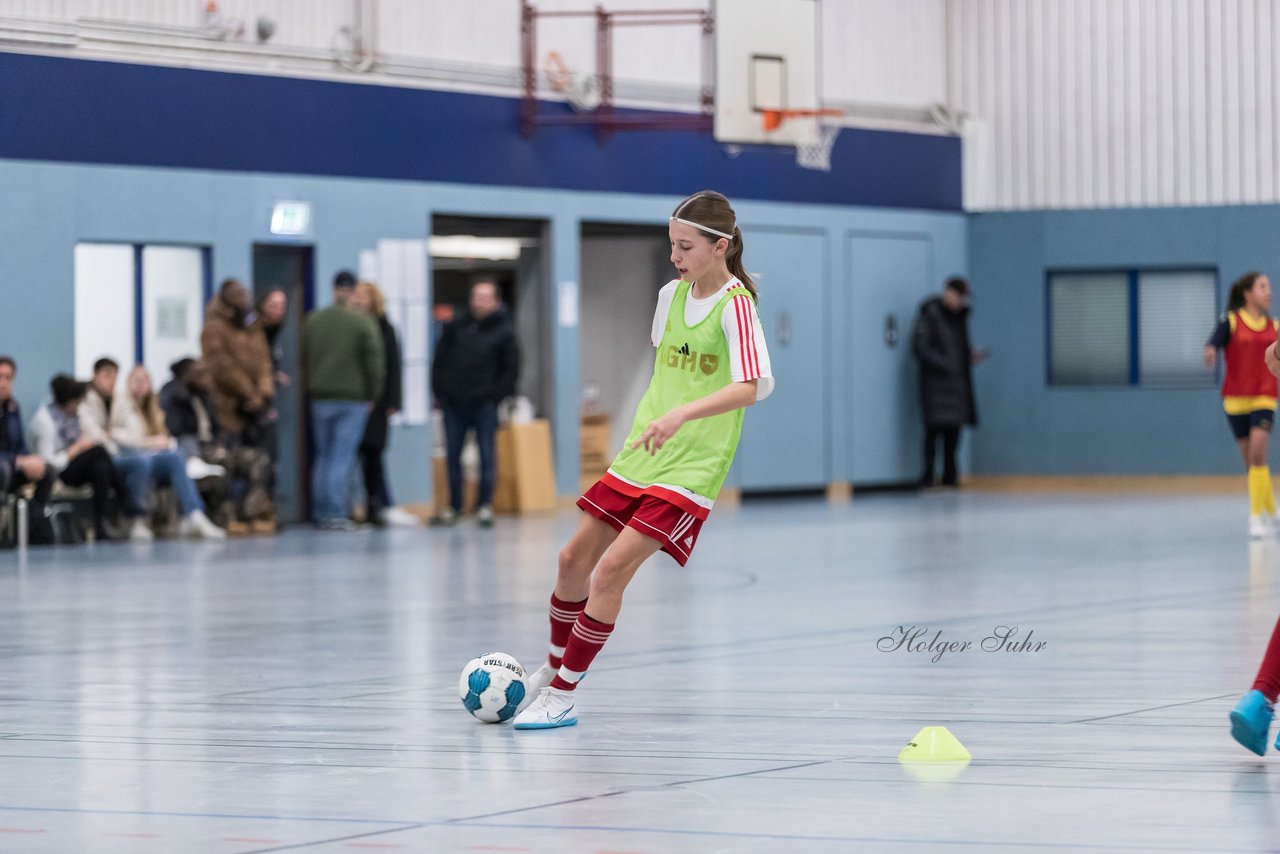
pixel 815 138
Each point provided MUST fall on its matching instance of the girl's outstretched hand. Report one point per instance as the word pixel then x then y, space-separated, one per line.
pixel 659 431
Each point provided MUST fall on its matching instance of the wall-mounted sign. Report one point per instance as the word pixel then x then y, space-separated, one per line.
pixel 291 218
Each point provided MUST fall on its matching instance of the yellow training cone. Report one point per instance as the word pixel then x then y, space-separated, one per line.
pixel 934 744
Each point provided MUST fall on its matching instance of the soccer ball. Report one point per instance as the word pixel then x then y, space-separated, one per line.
pixel 492 686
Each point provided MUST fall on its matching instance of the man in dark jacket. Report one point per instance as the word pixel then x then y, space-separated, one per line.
pixel 940 342
pixel 18 466
pixel 476 365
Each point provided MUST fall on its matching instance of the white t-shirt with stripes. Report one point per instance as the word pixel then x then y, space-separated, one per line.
pixel 748 354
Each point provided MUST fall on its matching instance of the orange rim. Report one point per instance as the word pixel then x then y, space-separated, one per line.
pixel 773 119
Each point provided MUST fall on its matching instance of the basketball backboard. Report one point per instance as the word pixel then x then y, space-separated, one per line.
pixel 766 60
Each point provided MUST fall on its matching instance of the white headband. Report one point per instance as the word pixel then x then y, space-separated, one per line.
pixel 702 228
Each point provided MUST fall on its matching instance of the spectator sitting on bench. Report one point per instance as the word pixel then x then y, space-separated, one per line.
pixel 145 460
pixel 77 454
pixel 192 420
pixel 18 466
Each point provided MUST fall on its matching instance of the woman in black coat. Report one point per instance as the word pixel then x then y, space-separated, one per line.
pixel 940 342
pixel 368 297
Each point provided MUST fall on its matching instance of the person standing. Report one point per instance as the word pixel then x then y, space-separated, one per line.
pixel 711 363
pixel 1243 334
pixel 369 298
pixel 1251 717
pixel 940 342
pixel 236 354
pixel 477 363
pixel 273 309
pixel 346 371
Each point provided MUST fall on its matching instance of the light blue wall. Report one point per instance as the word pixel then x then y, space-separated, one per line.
pixel 1029 427
pixel 50 207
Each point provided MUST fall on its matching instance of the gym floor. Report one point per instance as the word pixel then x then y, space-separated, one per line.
pixel 300 692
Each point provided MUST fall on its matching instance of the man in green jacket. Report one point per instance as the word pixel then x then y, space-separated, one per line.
pixel 345 368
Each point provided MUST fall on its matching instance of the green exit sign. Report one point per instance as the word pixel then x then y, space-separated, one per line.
pixel 291 218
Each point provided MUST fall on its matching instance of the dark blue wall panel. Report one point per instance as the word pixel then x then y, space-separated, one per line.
pixel 84 111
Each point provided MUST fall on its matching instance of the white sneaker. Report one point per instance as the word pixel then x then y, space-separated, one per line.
pixel 484 516
pixel 197 524
pixel 198 469
pixel 140 533
pixel 401 518
pixel 1257 528
pixel 552 708
pixel 534 683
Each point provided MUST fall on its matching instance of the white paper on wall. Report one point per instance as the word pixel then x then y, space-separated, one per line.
pixel 171 318
pixel 567 303
pixel 415 271
pixel 414 332
pixel 416 394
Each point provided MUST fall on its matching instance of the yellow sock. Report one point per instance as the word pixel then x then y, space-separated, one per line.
pixel 1267 489
pixel 1256 486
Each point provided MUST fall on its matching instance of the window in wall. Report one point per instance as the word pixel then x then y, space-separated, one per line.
pixel 1130 327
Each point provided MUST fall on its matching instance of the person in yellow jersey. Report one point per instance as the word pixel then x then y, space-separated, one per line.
pixel 711 363
pixel 1248 389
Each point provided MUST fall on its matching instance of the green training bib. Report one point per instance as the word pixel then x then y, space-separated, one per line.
pixel 691 363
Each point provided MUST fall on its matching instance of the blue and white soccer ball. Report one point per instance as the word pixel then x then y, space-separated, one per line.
pixel 492 686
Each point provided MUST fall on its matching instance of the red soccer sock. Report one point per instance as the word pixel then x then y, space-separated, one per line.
pixel 1268 681
pixel 563 616
pixel 586 639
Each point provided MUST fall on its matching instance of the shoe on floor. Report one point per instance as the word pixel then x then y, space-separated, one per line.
pixel 444 518
pixel 1257 528
pixel 400 517
pixel 534 683
pixel 484 516
pixel 140 533
pixel 552 708
pixel 198 525
pixel 1250 720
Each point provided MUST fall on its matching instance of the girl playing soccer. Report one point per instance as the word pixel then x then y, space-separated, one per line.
pixel 711 364
pixel 1248 390
pixel 1251 718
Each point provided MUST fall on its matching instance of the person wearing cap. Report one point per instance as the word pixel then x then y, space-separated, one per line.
pixel 345 370
pixel 940 341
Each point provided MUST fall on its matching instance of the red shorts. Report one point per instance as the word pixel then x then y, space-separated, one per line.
pixel 651 516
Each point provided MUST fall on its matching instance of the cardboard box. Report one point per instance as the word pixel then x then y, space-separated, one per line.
pixel 596 447
pixel 526 476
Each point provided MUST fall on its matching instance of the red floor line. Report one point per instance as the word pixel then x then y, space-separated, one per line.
pixel 21 830
pixel 246 839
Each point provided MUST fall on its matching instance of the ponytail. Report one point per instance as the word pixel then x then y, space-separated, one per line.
pixel 733 260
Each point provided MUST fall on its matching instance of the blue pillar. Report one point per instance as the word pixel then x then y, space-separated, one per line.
pixel 566 252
